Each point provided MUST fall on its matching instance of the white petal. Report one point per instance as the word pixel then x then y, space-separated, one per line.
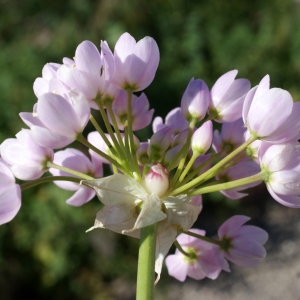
pixel 118 190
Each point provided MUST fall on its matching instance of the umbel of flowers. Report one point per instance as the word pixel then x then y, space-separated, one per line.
pixel 154 192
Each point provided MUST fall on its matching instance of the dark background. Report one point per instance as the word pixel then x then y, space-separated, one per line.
pixel 44 251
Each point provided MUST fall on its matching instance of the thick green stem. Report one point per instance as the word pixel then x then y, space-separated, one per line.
pixel 146 263
pixel 228 185
pixel 30 184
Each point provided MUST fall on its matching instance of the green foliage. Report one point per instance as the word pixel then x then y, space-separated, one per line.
pixel 44 251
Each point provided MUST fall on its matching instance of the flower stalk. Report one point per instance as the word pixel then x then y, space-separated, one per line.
pixel 146 262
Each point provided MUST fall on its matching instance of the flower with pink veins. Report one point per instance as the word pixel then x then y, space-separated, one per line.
pixel 157 181
pixel 270 114
pixel 135 62
pixel 281 164
pixel 92 72
pixel 227 97
pixel 76 160
pixel 57 121
pixel 10 194
pixel 26 158
pixel 141 115
pixel 242 244
pixel 201 263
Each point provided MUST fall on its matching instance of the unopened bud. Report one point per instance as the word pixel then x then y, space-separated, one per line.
pixel 157 181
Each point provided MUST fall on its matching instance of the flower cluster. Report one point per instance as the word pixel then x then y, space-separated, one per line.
pixel 159 181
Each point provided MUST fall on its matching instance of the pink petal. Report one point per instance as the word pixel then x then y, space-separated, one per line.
pixel 87 58
pixel 249 232
pixel 286 200
pixel 49 139
pixel 221 86
pixel 229 227
pixel 58 115
pixel 10 203
pixel 177 266
pixel 81 196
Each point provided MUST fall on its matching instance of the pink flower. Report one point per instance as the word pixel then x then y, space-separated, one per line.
pixel 195 100
pixel 91 72
pixel 160 142
pixel 141 115
pixel 142 154
pixel 76 160
pixel 202 138
pixel 227 97
pixel 230 137
pixel 135 63
pixel 57 121
pixel 174 119
pixel 26 158
pixel 270 114
pixel 281 164
pixel 49 82
pixel 10 194
pixel 202 262
pixel 242 244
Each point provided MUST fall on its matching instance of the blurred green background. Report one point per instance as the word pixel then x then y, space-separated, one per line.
pixel 45 252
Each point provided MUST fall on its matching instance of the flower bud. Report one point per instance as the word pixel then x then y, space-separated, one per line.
pixel 202 138
pixel 195 100
pixel 160 142
pixel 157 181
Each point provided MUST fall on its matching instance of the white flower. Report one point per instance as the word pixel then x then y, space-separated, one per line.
pixel 129 207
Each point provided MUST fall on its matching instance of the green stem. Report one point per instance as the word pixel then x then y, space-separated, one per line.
pixel 184 155
pixel 81 139
pixel 187 168
pixel 67 170
pixel 201 237
pixel 130 133
pixel 115 124
pixel 199 168
pixel 109 130
pixel 30 184
pixel 102 134
pixel 177 245
pixel 212 171
pixel 146 263
pixel 127 148
pixel 229 185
